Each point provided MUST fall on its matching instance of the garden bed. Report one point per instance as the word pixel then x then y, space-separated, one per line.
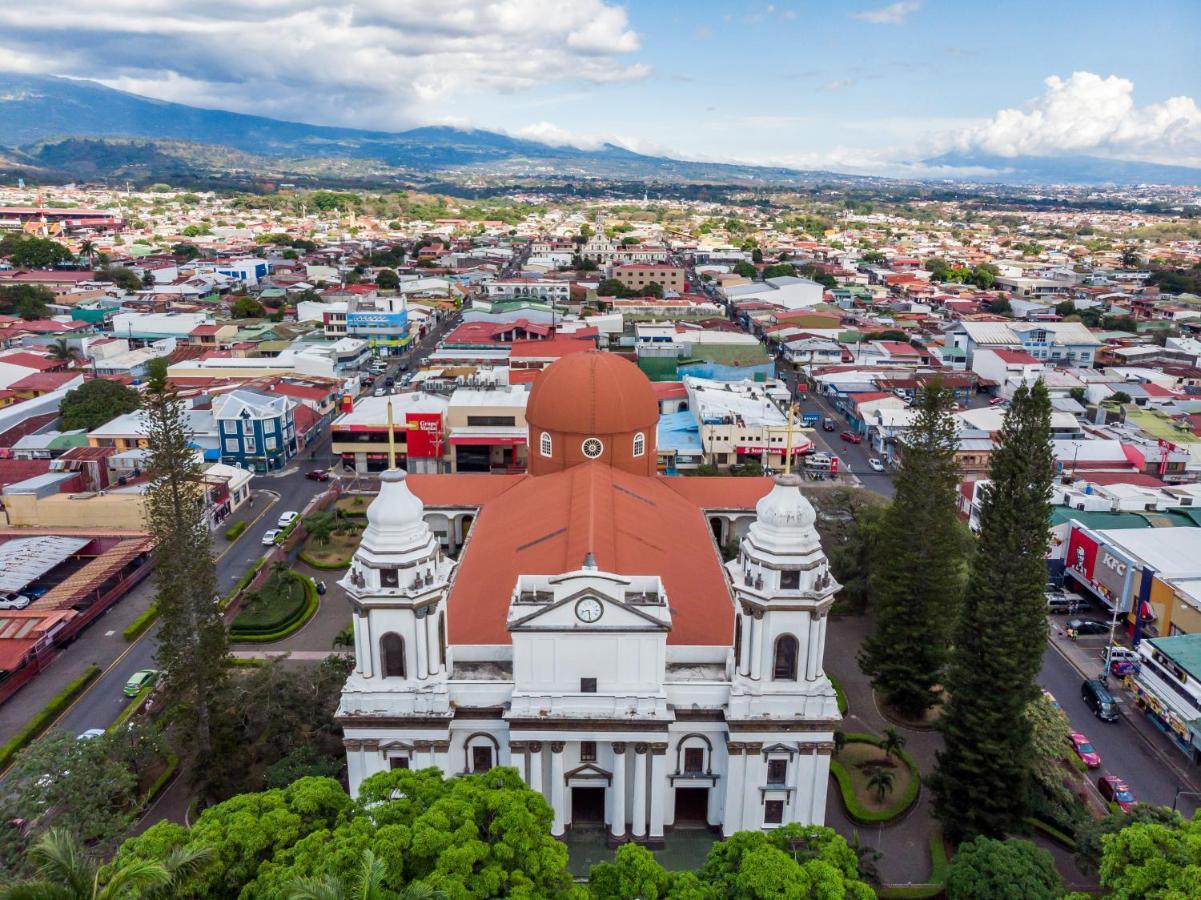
pixel 334 554
pixel 352 506
pixel 852 768
pixel 285 603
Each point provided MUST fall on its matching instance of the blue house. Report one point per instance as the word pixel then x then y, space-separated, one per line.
pixel 257 431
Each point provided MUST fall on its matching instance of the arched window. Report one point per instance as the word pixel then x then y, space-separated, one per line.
pixel 392 655
pixel 785 660
pixel 544 445
pixel 639 444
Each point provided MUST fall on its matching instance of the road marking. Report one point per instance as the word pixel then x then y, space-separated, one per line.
pixel 109 633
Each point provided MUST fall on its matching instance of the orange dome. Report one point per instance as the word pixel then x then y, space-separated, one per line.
pixel 592 393
pixel 592 407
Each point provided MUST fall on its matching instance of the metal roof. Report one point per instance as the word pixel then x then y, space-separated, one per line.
pixel 23 560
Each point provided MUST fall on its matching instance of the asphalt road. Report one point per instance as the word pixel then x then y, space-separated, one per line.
pixel 1123 752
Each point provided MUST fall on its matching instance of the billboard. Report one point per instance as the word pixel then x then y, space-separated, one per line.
pixel 423 438
pixel 1104 569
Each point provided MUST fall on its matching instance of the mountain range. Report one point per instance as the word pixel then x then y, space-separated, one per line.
pixel 66 129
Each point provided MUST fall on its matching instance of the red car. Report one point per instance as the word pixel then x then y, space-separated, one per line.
pixel 1114 790
pixel 1084 749
pixel 851 438
pixel 317 475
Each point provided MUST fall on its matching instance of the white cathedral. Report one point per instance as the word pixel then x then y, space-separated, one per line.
pixel 578 623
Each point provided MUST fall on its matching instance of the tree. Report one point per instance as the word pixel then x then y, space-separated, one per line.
pixel 1066 308
pixel 981 786
pixel 998 306
pixel 87 250
pixel 29 301
pixel 918 568
pixel 320 526
pixel 191 638
pixel 60 350
pixel 893 743
pixel 873 257
pixel 1092 834
pixel 791 861
pixel 1119 397
pixel 653 289
pixel 611 287
pixel 195 230
pixel 1153 861
pixel 387 280
pixel 880 780
pixel 66 871
pixel 147 279
pixel 97 401
pixel 27 252
pixel 1050 799
pixel 634 872
pixel 779 270
pixel 756 255
pixel 247 308
pixel 745 269
pixel 120 276
pixel 987 869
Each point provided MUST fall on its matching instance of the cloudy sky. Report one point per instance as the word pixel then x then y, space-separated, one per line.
pixel 858 86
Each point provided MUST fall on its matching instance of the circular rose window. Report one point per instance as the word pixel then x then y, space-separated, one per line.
pixel 593 448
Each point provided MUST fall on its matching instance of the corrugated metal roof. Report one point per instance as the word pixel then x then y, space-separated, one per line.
pixel 23 560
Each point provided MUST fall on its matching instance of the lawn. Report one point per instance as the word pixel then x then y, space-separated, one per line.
pixel 355 505
pixel 335 553
pixel 280 601
pixel 859 759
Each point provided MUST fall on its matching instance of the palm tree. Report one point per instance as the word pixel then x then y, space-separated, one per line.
pixel 319 527
pixel 344 639
pixel 366 884
pixel 880 781
pixel 892 743
pixel 840 741
pixel 66 871
pixel 87 248
pixel 62 351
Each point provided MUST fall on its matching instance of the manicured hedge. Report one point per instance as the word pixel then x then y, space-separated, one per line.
pixel 307 611
pixel 138 626
pixel 161 782
pixel 275 608
pixel 246 578
pixel 233 533
pixel 131 708
pixel 859 813
pixel 840 693
pixel 46 716
pixel 245 662
pixel 317 564
pixel 288 529
pixel 1060 837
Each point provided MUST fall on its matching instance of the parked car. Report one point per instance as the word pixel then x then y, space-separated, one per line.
pixel 851 438
pixel 89 734
pixel 34 593
pixel 380 392
pixel 875 465
pixel 269 537
pixel 1086 626
pixel 1120 668
pixel 13 600
pixel 1115 790
pixel 996 401
pixel 827 424
pixel 287 518
pixel 1085 750
pixel 317 475
pixel 1051 699
pixel 1063 602
pixel 140 679
pixel 1124 654
pixel 1096 697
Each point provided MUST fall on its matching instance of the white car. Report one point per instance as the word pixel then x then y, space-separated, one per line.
pixel 875 465
pixel 287 518
pixel 90 733
pixel 14 601
pixel 269 537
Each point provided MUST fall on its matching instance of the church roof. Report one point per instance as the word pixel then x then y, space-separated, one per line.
pixel 632 524
pixel 593 393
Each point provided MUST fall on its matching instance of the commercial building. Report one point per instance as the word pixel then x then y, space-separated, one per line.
pixel 744 420
pixel 257 430
pixel 637 276
pixel 383 322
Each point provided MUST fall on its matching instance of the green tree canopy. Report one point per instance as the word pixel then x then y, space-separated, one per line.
pixel 247 308
pixel 745 270
pixel 120 276
pixel 29 301
pixel 1151 861
pixel 97 401
pixel 987 869
pixel 387 279
pixel 27 252
pixel 1092 834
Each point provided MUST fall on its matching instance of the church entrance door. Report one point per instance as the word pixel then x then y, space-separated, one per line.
pixel 692 807
pixel 587 806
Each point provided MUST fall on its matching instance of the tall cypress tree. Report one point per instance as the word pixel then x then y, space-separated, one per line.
pixel 981 780
pixel 918 563
pixel 192 638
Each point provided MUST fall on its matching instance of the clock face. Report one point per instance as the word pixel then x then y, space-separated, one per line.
pixel 589 610
pixel 593 448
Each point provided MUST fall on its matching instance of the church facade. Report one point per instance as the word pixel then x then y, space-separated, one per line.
pixel 592 633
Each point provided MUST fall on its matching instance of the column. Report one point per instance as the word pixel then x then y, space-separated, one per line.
pixel 731 816
pixel 558 799
pixel 744 656
pixel 658 791
pixel 638 821
pixel 354 764
pixel 536 766
pixel 431 642
pixel 752 807
pixel 419 647
pixel 517 755
pixel 804 651
pixel 756 644
pixel 802 784
pixel 821 781
pixel 821 640
pixel 360 658
pixel 423 755
pixel 618 791
pixel 368 646
pixel 812 657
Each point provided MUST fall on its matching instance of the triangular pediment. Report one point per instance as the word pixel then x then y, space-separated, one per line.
pixel 569 614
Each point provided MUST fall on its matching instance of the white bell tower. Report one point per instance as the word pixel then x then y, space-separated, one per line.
pixel 783 590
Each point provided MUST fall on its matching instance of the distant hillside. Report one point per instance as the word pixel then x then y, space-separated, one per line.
pixel 1065 170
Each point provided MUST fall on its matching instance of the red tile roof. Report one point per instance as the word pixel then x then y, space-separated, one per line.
pixel 31 361
pixel 43 381
pixel 1018 357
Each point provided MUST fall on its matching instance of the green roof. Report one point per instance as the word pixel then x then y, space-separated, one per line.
pixel 1097 520
pixel 731 354
pixel 1182 649
pixel 1160 426
pixel 69 439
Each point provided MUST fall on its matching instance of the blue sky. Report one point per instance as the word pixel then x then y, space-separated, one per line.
pixel 857 86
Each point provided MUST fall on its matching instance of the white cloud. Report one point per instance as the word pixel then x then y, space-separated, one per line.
pixel 893 14
pixel 838 84
pixel 375 62
pixel 1088 114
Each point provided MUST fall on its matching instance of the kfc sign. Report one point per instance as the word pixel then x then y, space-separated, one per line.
pixel 1110 572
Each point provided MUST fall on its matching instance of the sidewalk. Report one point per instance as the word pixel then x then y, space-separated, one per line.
pixel 1086 656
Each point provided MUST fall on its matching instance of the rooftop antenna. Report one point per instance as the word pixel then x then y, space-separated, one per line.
pixel 391 439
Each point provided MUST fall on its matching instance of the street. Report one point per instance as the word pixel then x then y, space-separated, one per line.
pixel 1123 752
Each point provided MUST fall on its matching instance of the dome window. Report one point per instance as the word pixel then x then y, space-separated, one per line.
pixel 639 444
pixel 592 448
pixel 544 444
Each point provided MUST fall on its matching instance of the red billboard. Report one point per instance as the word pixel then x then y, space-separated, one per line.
pixel 1081 556
pixel 423 438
